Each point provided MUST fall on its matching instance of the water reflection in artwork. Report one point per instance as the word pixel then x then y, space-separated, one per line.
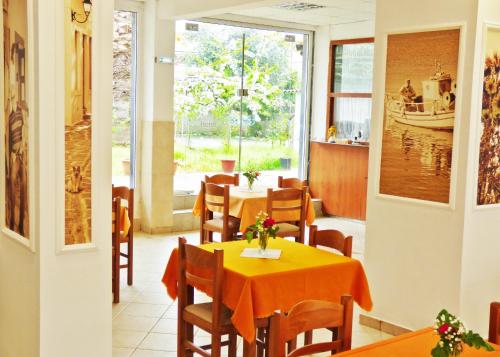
pixel 419 115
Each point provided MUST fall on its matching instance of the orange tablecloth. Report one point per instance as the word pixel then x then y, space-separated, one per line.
pixel 255 288
pixel 246 205
pixel 125 221
pixel 414 344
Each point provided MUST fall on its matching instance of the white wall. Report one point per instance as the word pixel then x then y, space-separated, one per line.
pixel 481 246
pixel 413 251
pixel 75 288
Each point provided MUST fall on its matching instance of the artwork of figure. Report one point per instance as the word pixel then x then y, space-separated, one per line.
pixel 16 118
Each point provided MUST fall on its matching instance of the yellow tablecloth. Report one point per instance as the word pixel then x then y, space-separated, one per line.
pixel 255 288
pixel 246 205
pixel 415 344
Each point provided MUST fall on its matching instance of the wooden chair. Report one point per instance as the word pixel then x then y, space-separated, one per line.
pixel 329 238
pixel 215 197
pixel 291 182
pixel 494 335
pixel 127 194
pixel 288 200
pixel 116 222
pixel 310 315
pixel 221 179
pixel 203 269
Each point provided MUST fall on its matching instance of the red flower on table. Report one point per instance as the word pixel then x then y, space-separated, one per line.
pixel 269 222
pixel 443 328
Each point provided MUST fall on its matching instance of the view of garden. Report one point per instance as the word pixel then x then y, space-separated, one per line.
pixel 207 102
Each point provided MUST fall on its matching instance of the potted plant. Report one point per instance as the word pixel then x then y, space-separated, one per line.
pixel 251 176
pixel 227 165
pixel 286 163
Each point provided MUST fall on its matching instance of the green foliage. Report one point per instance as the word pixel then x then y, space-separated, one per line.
pixel 452 335
pixel 211 76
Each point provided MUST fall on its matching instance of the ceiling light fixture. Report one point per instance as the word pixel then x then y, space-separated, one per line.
pixel 87 8
pixel 299 6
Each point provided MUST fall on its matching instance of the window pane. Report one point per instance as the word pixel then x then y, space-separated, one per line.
pixel 352 115
pixel 353 71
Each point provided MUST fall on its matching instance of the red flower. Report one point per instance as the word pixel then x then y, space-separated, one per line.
pixel 443 329
pixel 269 222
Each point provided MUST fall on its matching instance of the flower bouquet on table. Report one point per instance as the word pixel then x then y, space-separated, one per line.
pixel 263 229
pixel 252 176
pixel 452 336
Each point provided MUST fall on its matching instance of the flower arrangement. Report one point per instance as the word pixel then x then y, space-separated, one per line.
pixel 332 133
pixel 452 336
pixel 252 176
pixel 263 228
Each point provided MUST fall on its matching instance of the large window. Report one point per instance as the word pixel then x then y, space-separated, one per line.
pixel 349 88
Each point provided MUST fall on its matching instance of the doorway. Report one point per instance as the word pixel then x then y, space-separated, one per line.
pixel 240 101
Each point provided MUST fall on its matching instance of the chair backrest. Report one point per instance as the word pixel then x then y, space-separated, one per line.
pixel 291 182
pixel 287 199
pixel 221 179
pixel 494 335
pixel 204 270
pixel 215 199
pixel 330 238
pixel 307 316
pixel 126 194
pixel 116 220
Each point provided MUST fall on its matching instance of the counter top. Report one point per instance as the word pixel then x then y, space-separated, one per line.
pixel 340 144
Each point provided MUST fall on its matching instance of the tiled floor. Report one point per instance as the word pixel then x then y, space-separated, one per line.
pixel 144 322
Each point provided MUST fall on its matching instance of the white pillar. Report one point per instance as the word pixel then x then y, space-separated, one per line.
pixel 157 122
pixel 54 304
pixel 421 258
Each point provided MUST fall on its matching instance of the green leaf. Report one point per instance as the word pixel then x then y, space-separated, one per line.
pixel 249 236
pixel 438 352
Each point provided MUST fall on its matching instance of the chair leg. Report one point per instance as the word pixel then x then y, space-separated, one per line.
pixel 308 338
pixel 130 261
pixel 181 335
pixel 210 236
pixel 189 337
pixel 233 344
pixel 216 345
pixel 116 277
pixel 335 336
pixel 292 345
pixel 261 336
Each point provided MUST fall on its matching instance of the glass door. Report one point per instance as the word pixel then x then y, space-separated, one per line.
pixel 124 97
pixel 240 102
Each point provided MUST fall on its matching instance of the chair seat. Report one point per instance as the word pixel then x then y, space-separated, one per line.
pixel 216 224
pixel 201 315
pixel 287 228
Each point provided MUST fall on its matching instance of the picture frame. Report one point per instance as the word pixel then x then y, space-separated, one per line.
pixel 25 80
pixel 379 112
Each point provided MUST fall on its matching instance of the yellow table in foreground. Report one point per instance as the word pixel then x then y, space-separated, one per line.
pixel 414 344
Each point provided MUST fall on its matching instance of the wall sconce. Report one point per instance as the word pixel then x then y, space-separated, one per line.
pixel 87 7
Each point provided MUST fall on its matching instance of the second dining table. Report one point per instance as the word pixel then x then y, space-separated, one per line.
pixel 246 204
pixel 254 288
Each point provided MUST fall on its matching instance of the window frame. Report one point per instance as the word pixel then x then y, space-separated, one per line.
pixel 331 94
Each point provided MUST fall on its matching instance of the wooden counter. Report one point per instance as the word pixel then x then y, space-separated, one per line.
pixel 338 174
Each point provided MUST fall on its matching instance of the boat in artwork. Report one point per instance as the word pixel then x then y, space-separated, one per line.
pixel 434 109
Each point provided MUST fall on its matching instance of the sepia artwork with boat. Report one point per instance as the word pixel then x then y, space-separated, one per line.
pixel 433 109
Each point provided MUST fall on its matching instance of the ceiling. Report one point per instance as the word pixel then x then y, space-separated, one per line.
pixel 334 12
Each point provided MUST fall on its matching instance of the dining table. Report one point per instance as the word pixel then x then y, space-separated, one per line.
pixel 245 204
pixel 413 344
pixel 254 288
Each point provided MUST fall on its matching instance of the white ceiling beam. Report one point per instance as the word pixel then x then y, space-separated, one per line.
pixel 189 9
